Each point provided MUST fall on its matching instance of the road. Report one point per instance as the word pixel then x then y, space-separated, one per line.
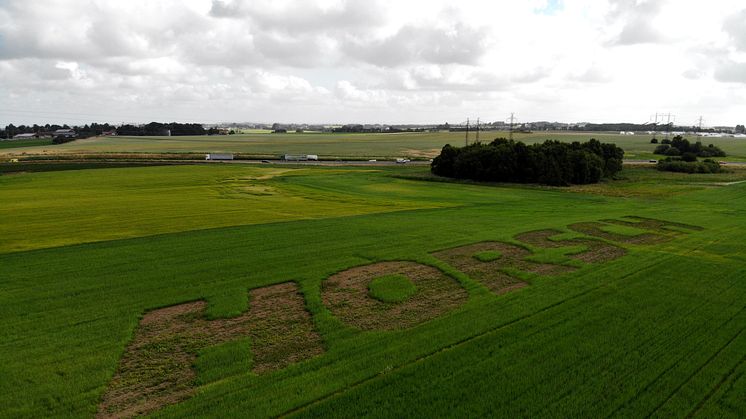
pixel 393 163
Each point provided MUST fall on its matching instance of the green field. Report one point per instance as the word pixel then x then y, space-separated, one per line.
pixel 16 144
pixel 330 146
pixel 85 255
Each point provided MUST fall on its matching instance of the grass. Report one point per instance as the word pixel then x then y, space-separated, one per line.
pixel 391 288
pixel 36 142
pixel 660 331
pixel 336 145
pixel 55 208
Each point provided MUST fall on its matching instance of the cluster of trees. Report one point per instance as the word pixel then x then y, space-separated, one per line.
pixel 678 164
pixel 551 162
pixel 622 126
pixel 740 129
pixel 158 128
pixel 83 131
pixel 359 128
pixel 679 146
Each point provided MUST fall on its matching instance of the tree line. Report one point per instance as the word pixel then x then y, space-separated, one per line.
pixel 550 162
pixel 159 129
pixel 83 131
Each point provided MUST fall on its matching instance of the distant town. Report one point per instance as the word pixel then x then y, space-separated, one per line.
pixel 64 133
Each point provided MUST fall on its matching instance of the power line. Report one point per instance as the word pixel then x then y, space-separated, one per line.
pixel 466 140
pixel 510 133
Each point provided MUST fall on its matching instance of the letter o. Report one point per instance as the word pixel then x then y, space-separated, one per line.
pixel 346 294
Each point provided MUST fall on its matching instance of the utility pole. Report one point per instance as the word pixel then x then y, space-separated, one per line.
pixel 699 124
pixel 668 124
pixel 477 129
pixel 466 140
pixel 655 126
pixel 510 133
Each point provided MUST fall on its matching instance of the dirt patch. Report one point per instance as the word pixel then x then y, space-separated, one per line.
pixel 661 226
pixel 282 332
pixel 430 152
pixel 346 295
pixel 595 229
pixel 596 251
pixel 156 368
pixel 492 273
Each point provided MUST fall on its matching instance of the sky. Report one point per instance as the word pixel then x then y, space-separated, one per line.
pixel 372 61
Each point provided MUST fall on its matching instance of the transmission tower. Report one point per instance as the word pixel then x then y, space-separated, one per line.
pixel 466 140
pixel 510 133
pixel 669 123
pixel 699 123
pixel 477 129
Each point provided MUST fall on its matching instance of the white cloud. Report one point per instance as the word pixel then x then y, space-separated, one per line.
pixel 372 61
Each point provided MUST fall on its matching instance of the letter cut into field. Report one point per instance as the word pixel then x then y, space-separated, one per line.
pixel 595 251
pixel 156 369
pixel 660 226
pixel 350 296
pixel 491 264
pixel 659 231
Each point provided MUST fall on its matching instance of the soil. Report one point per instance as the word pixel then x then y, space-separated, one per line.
pixel 661 226
pixel 595 229
pixel 596 251
pixel 492 273
pixel 156 368
pixel 346 295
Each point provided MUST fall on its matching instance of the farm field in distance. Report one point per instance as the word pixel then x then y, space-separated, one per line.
pixel 621 299
pixel 338 145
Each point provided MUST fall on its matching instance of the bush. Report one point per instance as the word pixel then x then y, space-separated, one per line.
pixel 661 149
pixel 654 141
pixel 672 151
pixel 677 165
pixel 61 139
pixel 688 156
pixel 683 146
pixel 551 162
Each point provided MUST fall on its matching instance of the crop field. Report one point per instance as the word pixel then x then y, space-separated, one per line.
pixel 13 144
pixel 258 291
pixel 331 146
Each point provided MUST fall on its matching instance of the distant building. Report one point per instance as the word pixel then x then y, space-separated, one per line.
pixel 24 136
pixel 65 133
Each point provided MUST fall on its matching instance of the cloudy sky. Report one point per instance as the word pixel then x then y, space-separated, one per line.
pixel 372 61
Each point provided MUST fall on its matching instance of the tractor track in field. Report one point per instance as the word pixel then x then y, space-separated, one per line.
pixel 454 345
pixel 613 360
pixel 700 368
pixel 717 386
pixel 655 379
